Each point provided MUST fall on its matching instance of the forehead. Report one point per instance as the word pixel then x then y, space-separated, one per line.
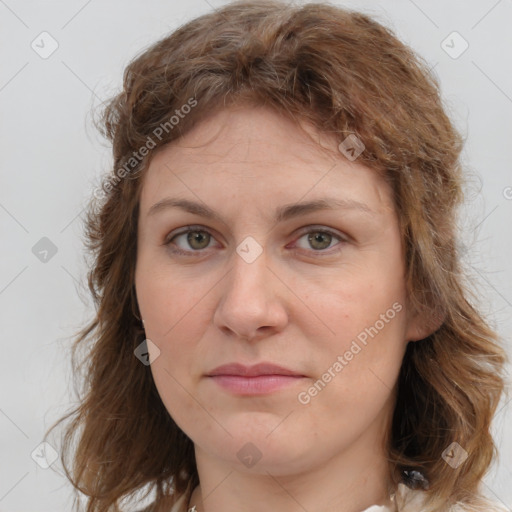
pixel 254 152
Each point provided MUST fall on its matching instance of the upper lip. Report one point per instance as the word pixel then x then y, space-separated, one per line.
pixel 252 371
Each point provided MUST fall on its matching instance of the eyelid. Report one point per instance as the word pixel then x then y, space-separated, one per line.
pixel 314 228
pixel 183 231
pixel 322 229
pixel 186 229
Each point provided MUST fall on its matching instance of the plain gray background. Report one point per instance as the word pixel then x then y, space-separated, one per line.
pixel 51 159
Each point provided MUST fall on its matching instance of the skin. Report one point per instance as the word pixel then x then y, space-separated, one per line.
pixel 298 304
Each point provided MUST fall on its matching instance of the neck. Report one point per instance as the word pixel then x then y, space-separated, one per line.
pixel 350 481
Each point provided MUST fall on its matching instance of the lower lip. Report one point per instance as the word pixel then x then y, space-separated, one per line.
pixel 258 385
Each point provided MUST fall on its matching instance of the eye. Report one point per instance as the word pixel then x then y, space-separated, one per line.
pixel 195 237
pixel 319 239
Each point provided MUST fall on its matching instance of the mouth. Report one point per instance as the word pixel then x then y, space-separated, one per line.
pixel 259 379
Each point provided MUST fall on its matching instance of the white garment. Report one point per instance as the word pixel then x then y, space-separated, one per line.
pixel 409 500
pixel 181 506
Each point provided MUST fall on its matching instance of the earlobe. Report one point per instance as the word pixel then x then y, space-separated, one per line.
pixel 423 324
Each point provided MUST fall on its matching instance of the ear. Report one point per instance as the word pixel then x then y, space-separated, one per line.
pixel 422 324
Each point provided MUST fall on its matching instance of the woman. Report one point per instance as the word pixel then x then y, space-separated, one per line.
pixel 282 323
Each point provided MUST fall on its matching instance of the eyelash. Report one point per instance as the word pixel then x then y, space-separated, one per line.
pixel 194 229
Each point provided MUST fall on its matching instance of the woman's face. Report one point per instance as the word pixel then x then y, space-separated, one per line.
pixel 316 290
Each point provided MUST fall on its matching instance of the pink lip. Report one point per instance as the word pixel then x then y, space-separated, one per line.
pixel 256 370
pixel 253 380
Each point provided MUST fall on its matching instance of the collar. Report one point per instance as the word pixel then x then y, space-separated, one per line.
pixel 414 499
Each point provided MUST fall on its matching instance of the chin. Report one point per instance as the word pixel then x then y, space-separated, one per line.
pixel 263 450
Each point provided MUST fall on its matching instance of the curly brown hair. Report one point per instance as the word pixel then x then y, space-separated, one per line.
pixel 346 74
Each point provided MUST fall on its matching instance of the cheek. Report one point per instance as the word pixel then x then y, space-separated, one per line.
pixel 354 383
pixel 350 297
pixel 359 359
pixel 175 316
pixel 171 317
pixel 179 398
pixel 169 300
pixel 358 306
pixel 175 330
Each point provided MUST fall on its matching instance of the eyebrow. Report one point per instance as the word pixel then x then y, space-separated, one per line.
pixel 283 213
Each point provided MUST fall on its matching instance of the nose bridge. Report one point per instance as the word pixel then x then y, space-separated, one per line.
pixel 249 278
pixel 250 299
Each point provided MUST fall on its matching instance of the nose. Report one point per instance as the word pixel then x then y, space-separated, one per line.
pixel 251 305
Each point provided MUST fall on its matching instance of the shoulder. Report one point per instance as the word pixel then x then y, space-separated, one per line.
pixel 413 501
pixel 179 506
pixel 488 506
